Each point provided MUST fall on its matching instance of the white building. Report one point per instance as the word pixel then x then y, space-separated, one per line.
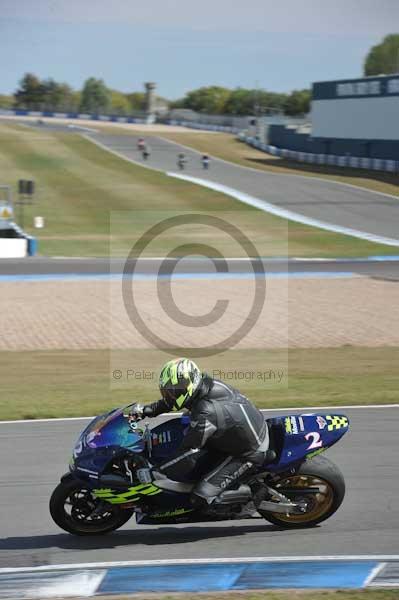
pixel 366 109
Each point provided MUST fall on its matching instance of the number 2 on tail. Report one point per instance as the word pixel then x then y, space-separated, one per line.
pixel 316 441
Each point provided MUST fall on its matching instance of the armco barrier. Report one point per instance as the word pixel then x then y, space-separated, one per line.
pixel 19 112
pixel 356 162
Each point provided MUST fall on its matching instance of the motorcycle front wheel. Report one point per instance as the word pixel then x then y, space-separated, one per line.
pixel 318 474
pixel 76 510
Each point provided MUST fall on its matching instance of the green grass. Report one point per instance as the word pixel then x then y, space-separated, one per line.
pixel 227 147
pixel 79 185
pixel 73 383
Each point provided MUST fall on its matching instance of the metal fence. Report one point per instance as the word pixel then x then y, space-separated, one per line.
pixel 115 119
pixel 19 112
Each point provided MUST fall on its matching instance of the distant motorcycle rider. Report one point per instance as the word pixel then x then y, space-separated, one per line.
pixel 222 419
pixel 181 160
pixel 205 162
pixel 146 152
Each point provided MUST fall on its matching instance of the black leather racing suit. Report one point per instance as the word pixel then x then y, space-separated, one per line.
pixel 229 425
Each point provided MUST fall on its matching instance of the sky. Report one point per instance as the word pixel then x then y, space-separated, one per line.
pixel 278 45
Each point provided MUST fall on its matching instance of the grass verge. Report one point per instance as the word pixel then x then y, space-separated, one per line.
pixel 79 185
pixel 44 384
pixel 276 595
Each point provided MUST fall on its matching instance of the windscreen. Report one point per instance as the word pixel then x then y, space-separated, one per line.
pixel 112 429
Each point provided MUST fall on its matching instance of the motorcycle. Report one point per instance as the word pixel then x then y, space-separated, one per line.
pixel 181 162
pixel 113 475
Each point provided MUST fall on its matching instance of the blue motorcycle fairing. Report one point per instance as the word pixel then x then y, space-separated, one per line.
pixel 104 436
pixel 297 437
pixel 293 437
pixel 167 437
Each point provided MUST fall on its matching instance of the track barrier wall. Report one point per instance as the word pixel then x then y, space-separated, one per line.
pixel 114 119
pixel 355 162
pixel 19 112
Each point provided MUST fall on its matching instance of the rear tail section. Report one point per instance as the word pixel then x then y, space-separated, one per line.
pixel 297 437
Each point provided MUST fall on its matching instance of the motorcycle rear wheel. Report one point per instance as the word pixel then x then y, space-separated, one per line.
pixel 71 505
pixel 318 472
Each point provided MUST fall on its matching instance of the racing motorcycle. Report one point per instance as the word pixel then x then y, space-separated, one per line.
pixel 113 475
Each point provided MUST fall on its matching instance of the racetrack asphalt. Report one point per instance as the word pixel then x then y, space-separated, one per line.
pixel 324 200
pixel 34 455
pixel 382 269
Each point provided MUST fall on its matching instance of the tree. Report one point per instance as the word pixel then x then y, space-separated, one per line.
pixel 95 96
pixel 136 101
pixel 30 94
pixel 211 100
pixel 179 103
pixel 68 98
pixel 6 101
pixel 240 102
pixel 57 96
pixel 298 103
pixel 76 99
pixel 255 101
pixel 119 104
pixel 384 57
pixel 34 94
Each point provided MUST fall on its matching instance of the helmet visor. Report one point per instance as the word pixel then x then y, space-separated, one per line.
pixel 174 397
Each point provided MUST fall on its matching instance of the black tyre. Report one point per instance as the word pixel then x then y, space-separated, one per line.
pixel 72 505
pixel 320 473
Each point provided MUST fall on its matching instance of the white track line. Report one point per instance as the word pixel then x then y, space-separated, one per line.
pixel 373 574
pixel 284 213
pixel 176 414
pixel 199 561
pixel 84 584
pixel 261 204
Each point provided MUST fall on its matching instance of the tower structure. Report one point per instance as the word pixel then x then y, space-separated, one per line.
pixel 150 101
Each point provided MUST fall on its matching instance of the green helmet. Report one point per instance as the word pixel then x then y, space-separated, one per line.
pixel 178 381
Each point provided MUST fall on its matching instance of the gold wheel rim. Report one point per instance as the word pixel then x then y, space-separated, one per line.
pixel 319 503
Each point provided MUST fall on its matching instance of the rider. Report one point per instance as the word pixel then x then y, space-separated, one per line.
pixel 221 418
pixel 181 160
